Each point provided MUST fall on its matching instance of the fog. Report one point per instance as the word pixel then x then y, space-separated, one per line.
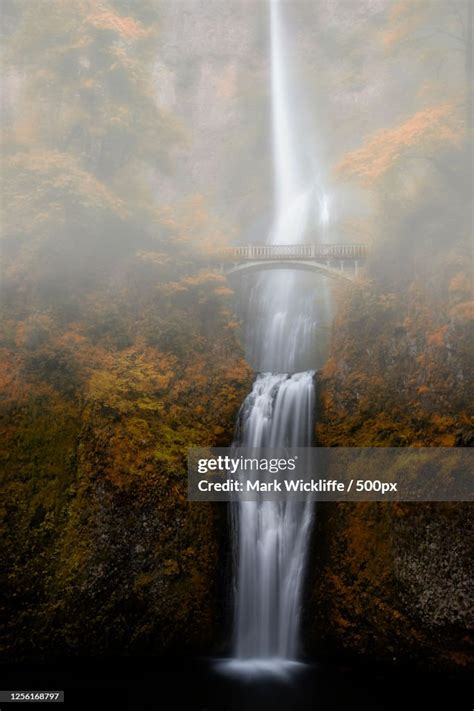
pixel 203 124
pixel 145 146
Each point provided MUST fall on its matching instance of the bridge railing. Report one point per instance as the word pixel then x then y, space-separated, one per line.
pixel 297 251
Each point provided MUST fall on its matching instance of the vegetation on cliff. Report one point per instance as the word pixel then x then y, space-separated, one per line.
pixel 394 582
pixel 119 347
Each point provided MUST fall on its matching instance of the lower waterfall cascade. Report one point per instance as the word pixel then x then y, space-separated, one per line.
pixel 271 537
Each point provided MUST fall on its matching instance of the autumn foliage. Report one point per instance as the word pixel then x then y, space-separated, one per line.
pixel 400 373
pixel 119 346
pixel 428 130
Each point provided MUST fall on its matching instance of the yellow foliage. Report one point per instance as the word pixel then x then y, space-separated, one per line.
pixel 223 291
pixel 447 440
pixel 131 379
pixel 432 127
pixel 105 19
pixel 202 279
pixel 460 282
pixel 463 311
pixel 438 337
pixel 404 18
pixel 170 567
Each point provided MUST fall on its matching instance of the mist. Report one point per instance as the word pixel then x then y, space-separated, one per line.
pixel 233 223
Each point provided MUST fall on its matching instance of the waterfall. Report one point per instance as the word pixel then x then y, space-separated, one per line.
pixel 285 310
pixel 271 538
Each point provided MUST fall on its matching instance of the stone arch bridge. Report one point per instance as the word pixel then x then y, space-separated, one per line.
pixel 337 261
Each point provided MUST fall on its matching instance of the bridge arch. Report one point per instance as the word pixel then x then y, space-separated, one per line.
pixel 250 267
pixel 336 261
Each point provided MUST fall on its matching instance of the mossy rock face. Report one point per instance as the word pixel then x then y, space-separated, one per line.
pixel 392 583
pixel 143 576
pixel 103 552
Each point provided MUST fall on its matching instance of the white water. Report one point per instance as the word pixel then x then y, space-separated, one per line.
pixel 285 309
pixel 271 538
